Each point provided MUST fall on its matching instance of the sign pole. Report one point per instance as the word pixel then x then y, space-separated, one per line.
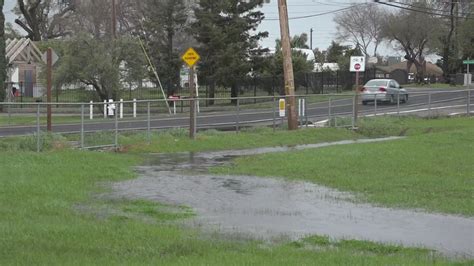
pixel 356 101
pixel 192 105
pixel 49 63
pixel 191 57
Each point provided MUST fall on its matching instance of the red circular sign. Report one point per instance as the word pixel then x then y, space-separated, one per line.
pixel 357 66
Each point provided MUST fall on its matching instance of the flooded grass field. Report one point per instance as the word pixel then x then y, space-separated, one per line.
pixel 273 208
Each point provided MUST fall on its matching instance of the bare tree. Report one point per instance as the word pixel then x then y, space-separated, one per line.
pixel 362 25
pixel 43 19
pixel 413 33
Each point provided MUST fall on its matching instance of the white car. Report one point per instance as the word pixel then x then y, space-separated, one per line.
pixel 383 90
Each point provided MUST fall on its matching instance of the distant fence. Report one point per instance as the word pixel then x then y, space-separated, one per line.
pixel 87 121
pixel 305 83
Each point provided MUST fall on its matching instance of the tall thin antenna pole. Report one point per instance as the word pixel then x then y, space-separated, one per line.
pixel 114 20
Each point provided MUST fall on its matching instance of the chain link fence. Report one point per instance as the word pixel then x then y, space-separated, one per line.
pixel 99 124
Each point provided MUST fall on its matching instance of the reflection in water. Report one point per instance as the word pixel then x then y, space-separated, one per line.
pixel 266 208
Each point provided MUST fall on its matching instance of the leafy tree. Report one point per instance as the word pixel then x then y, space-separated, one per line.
pixel 3 61
pixel 413 33
pixel 226 31
pixel 100 63
pixel 336 51
pixel 362 25
pixel 297 41
pixel 165 25
pixel 452 40
pixel 467 37
pixel 11 32
pixel 274 64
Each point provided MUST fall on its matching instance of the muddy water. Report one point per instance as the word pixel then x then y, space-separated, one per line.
pixel 266 208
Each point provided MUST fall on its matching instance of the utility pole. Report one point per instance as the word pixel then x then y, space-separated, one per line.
pixel 114 20
pixel 192 105
pixel 311 39
pixel 288 65
pixel 49 81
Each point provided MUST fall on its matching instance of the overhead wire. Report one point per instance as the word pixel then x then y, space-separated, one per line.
pixel 423 11
pixel 318 14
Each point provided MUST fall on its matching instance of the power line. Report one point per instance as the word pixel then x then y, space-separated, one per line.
pixel 317 15
pixel 422 11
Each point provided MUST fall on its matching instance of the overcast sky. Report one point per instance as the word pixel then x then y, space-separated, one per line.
pixel 323 26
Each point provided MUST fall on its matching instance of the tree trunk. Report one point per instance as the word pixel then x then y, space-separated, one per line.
pixel 448 44
pixel 3 63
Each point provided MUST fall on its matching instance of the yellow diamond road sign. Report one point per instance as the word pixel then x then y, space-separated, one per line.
pixel 191 57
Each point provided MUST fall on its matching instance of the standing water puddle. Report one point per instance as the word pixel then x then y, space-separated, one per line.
pixel 266 208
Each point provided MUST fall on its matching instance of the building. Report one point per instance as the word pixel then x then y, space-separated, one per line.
pixel 24 65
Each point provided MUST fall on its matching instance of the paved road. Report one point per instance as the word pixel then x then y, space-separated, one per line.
pixel 452 100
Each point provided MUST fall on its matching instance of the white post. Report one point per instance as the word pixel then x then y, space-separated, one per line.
pixel 304 107
pixel 121 108
pixel 91 110
pixel 134 108
pixel 174 107
pixel 299 107
pixel 105 108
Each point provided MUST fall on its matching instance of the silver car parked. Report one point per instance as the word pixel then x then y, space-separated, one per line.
pixel 383 90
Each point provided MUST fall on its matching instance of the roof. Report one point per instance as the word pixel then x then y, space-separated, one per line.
pixel 22 51
pixel 326 66
pixel 431 69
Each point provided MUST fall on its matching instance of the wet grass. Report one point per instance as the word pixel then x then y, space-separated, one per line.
pixel 49 215
pixel 178 140
pixel 51 211
pixel 432 169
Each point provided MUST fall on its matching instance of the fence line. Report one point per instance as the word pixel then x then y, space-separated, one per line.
pixel 330 110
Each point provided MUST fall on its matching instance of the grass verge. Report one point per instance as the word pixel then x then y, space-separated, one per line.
pixel 431 169
pixel 50 216
pixel 178 140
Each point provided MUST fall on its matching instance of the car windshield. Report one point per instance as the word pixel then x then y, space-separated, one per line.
pixel 376 83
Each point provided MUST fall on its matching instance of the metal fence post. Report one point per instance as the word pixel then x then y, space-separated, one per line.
pixel 116 130
pixel 429 104
pixel 238 115
pixel 305 112
pixel 398 105
pixel 274 115
pixel 38 130
pixel 354 112
pixel 82 126
pixel 9 114
pixel 468 102
pixel 330 112
pixel 148 137
pixel 375 105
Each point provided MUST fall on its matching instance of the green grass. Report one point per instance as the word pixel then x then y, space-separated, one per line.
pixel 178 140
pixel 22 120
pixel 432 169
pixel 51 213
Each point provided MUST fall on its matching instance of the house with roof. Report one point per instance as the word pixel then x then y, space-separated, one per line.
pixel 24 65
pixel 403 75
